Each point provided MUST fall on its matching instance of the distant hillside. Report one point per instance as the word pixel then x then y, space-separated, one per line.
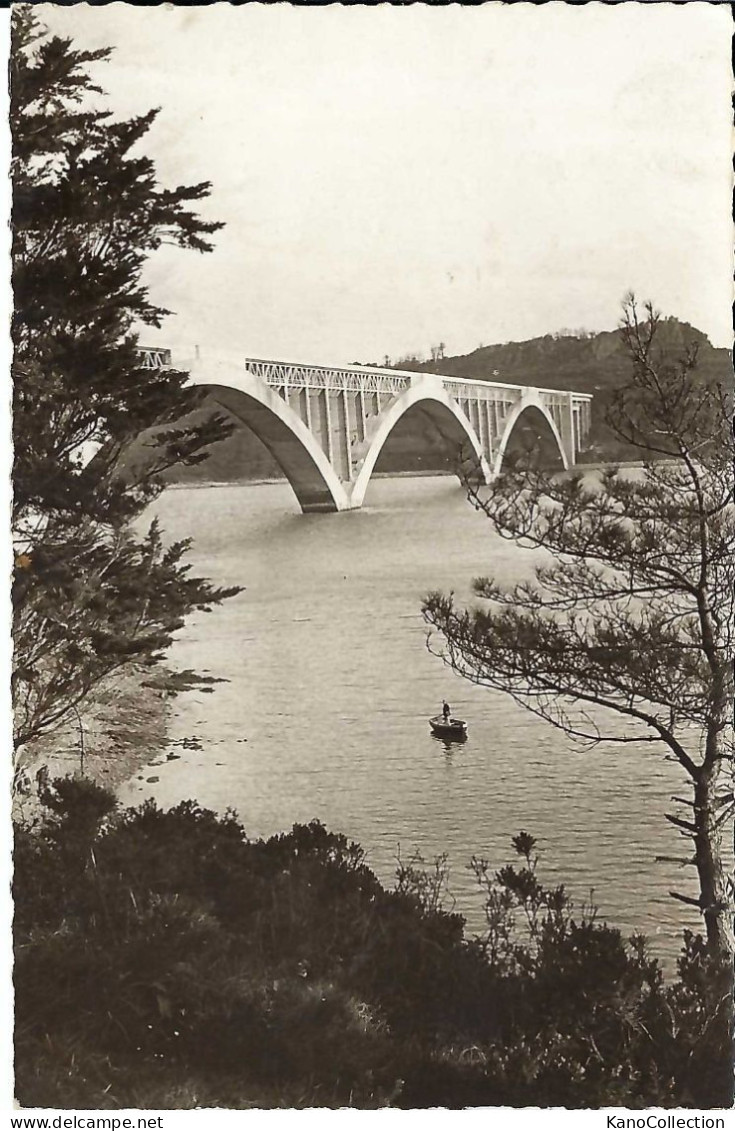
pixel 587 363
pixel 242 456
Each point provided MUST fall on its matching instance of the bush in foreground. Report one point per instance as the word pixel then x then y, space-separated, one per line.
pixel 165 960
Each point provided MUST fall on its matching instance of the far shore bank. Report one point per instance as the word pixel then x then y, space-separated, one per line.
pixel 273 481
pixel 439 473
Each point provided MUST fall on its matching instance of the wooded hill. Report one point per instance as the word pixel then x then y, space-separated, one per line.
pixel 585 362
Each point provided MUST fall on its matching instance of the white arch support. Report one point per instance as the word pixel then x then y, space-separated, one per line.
pixel 529 399
pixel 294 448
pixel 427 393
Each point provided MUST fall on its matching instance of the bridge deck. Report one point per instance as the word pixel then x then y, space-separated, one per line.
pixel 299 375
pixel 356 377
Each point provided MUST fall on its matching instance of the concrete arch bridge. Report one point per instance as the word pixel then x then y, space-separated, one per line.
pixel 326 427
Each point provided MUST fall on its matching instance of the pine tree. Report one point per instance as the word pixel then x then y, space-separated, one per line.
pixel 629 616
pixel 90 595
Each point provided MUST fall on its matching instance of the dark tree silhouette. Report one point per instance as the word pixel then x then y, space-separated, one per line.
pixel 90 594
pixel 628 616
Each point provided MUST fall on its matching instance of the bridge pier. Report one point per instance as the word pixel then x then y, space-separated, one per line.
pixel 568 430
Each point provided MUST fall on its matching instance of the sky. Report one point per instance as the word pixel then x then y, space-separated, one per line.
pixel 395 177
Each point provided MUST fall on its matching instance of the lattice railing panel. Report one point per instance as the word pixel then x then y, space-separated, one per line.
pixel 154 358
pixel 281 375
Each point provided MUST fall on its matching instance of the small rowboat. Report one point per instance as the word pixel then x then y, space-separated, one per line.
pixel 451 728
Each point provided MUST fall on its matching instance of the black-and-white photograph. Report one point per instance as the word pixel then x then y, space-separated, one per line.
pixel 373 541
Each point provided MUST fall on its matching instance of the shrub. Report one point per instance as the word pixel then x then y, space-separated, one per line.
pixel 163 959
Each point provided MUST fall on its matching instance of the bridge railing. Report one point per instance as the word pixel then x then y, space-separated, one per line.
pixel 152 358
pixel 279 374
pixel 462 389
pixel 369 379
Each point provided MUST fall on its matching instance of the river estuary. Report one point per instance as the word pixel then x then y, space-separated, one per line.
pixel 330 686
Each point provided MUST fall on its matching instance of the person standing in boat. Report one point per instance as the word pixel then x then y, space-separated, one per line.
pixel 446 711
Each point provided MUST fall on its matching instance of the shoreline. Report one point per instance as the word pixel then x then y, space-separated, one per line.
pixel 124 727
pixel 273 482
pixel 200 485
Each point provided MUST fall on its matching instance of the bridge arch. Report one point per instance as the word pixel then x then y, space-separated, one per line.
pixel 296 451
pixel 428 396
pixel 530 404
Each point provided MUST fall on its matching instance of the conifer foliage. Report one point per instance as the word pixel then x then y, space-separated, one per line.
pixel 90 593
pixel 623 633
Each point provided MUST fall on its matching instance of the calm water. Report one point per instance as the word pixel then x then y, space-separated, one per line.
pixel 330 683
